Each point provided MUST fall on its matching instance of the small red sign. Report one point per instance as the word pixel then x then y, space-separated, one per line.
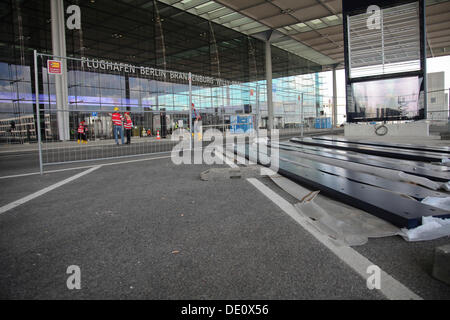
pixel 54 67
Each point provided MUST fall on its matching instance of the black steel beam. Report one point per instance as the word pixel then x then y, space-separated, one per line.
pixel 437 149
pixel 408 189
pixel 400 211
pixel 410 165
pixel 381 151
pixel 418 171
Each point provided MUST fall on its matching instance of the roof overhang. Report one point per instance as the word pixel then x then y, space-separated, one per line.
pixel 311 29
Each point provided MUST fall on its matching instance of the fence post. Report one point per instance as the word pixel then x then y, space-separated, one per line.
pixel 38 117
pixel 190 110
pixel 257 110
pixel 302 116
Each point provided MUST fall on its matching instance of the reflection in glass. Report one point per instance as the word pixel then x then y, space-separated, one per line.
pixel 397 98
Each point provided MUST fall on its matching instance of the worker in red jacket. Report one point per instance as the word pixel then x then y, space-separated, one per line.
pixel 117 121
pixel 128 124
pixel 82 128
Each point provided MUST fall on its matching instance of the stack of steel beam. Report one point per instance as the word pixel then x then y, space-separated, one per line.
pixel 436 149
pixel 384 151
pixel 342 171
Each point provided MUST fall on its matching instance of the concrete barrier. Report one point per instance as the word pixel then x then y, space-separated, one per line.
pixel 441 266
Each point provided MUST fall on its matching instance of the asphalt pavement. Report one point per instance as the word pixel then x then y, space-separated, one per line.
pixel 154 230
pixel 149 229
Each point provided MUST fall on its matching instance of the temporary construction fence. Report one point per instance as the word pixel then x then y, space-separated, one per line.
pixel 158 101
pixel 151 132
pixel 71 90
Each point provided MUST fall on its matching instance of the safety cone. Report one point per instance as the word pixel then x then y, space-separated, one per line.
pixel 157 135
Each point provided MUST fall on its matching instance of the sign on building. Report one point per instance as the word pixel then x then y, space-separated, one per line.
pixel 54 67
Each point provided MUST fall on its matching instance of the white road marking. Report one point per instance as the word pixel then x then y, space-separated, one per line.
pixel 390 287
pixel 137 160
pixel 83 167
pixel 10 156
pixel 39 193
pixel 225 159
pixel 89 166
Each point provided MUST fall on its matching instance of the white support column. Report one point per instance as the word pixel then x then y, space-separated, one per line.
pixel 59 50
pixel 302 115
pixel 190 111
pixel 269 87
pixel 258 113
pixel 334 98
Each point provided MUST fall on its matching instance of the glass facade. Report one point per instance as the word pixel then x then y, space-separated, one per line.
pixel 144 37
pixel 386 99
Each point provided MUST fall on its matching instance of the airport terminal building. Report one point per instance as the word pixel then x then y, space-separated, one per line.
pixel 140 60
pixel 315 164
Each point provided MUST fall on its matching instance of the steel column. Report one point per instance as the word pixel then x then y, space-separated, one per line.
pixel 423 55
pixel 334 98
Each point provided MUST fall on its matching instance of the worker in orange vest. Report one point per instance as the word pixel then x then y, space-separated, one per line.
pixel 82 132
pixel 117 121
pixel 128 126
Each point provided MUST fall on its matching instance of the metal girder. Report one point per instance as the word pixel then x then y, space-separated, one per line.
pixel 398 210
pixel 399 166
pixel 394 186
pixel 378 151
pixel 385 144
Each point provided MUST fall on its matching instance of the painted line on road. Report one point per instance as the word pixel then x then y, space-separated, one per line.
pixel 83 167
pixel 93 165
pixel 219 154
pixel 389 287
pixel 2 152
pixel 10 156
pixel 105 158
pixel 39 193
pixel 71 146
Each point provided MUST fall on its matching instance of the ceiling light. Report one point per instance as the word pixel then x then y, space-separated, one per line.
pixel 204 4
pixel 287 11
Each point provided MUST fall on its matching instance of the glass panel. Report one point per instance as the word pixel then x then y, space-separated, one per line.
pixel 392 48
pixel 386 99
